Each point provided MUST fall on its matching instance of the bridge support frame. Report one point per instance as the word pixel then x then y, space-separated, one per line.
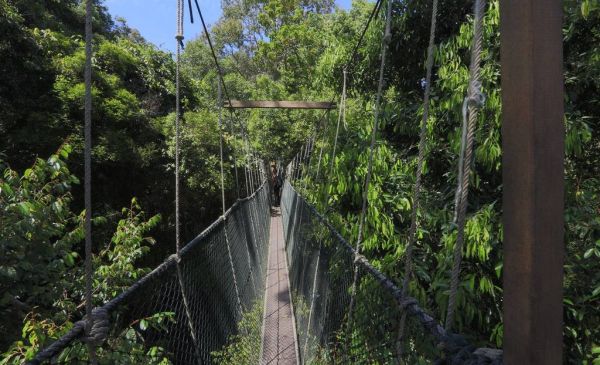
pixel 533 174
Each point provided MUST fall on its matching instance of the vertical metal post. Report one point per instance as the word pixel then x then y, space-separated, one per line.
pixel 533 173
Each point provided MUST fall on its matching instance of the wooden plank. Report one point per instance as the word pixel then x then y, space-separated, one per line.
pixel 279 339
pixel 278 104
pixel 533 174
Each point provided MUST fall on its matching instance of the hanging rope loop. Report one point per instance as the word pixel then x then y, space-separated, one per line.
pixel 474 101
pixel 475 98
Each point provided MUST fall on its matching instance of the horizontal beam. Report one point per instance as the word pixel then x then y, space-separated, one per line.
pixel 279 104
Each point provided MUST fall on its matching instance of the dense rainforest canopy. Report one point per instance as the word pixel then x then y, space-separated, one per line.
pixel 270 49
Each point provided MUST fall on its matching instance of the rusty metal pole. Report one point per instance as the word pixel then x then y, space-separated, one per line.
pixel 533 172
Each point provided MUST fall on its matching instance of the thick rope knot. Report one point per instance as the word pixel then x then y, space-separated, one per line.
pixel 180 38
pixel 387 39
pixel 458 351
pixel 175 257
pixel 99 328
pixel 406 302
pixel 475 98
pixel 358 258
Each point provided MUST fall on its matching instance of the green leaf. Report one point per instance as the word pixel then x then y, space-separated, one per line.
pixel 69 259
pixel 585 8
pixel 589 253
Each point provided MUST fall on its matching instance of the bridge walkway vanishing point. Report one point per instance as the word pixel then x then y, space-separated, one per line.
pixel 279 344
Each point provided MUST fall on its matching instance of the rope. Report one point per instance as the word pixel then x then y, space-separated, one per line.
pixel 372 16
pixel 235 282
pixel 219 69
pixel 473 102
pixel 179 38
pixel 235 167
pixel 456 350
pixel 321 127
pixel 221 83
pixel 386 40
pixel 88 179
pixel 461 160
pixel 221 147
pixel 341 117
pixel 136 290
pixel 412 235
pixel 341 114
pixel 249 181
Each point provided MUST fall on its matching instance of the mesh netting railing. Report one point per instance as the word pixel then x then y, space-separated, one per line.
pixel 321 274
pixel 151 323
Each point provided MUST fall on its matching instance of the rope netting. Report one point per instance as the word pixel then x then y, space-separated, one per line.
pixel 148 323
pixel 321 265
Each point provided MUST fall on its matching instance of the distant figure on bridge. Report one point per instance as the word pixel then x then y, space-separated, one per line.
pixel 277 183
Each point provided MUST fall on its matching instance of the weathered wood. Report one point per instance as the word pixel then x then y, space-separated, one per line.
pixel 533 174
pixel 279 338
pixel 278 104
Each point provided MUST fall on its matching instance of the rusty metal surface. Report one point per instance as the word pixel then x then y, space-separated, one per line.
pixel 533 172
pixel 279 335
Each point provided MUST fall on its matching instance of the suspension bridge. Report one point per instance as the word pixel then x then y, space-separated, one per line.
pixel 280 285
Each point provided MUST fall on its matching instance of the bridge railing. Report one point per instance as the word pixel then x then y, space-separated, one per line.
pixel 322 266
pixel 188 307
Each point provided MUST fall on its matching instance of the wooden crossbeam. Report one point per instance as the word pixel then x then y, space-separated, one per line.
pixel 278 104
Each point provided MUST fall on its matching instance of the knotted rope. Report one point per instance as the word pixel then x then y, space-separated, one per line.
pixel 387 37
pixel 473 102
pixel 412 234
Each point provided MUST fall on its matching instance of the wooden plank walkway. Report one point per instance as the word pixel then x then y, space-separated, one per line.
pixel 279 331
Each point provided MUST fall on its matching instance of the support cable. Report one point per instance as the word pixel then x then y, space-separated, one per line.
pixel 88 180
pixel 235 282
pixel 473 102
pixel 341 115
pixel 363 33
pixel 385 45
pixel 179 38
pixel 235 167
pixel 217 64
pixel 412 234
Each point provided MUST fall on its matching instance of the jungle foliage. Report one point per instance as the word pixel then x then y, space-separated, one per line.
pixel 271 49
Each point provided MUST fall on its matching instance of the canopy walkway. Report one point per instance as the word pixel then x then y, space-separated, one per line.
pixel 255 287
pixel 199 306
pixel 189 318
